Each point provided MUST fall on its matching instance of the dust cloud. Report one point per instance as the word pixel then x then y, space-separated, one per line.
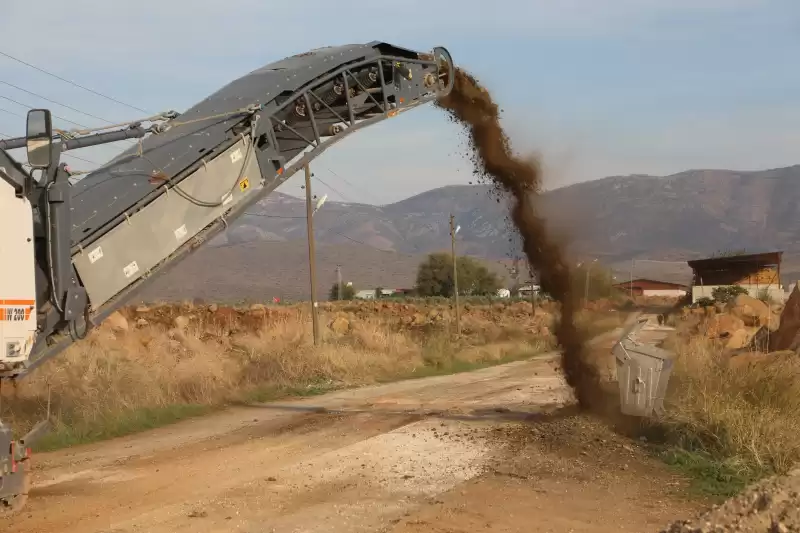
pixel 472 107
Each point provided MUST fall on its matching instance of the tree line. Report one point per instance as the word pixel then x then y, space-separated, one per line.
pixel 435 278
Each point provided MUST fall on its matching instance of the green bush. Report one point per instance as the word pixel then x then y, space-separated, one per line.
pixel 435 277
pixel 348 292
pixel 705 301
pixel 727 293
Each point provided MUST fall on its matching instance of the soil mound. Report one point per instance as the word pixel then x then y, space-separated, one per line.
pixel 772 506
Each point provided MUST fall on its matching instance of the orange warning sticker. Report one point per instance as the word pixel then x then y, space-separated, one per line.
pixel 14 314
pixel 16 310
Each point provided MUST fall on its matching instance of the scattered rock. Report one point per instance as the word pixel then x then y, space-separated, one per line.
pixel 141 323
pixel 176 334
pixel 739 339
pixel 339 325
pixel 258 310
pixel 770 506
pixel 116 322
pixel 746 359
pixel 181 322
pixel 752 311
pixel 787 334
pixel 723 326
pixel 213 308
pixel 142 309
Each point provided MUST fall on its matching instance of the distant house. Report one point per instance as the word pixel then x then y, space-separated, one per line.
pixel 369 294
pixel 757 273
pixel 652 287
pixel 525 290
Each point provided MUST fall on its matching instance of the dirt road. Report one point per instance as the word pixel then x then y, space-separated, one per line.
pixel 407 456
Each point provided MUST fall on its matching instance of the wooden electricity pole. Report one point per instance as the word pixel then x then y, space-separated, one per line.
pixel 533 293
pixel 339 282
pixel 455 272
pixel 312 260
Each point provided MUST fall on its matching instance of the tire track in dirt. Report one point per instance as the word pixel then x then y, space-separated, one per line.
pixel 376 453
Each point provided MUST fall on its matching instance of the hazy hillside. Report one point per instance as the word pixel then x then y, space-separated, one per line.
pixel 416 225
pixel 616 219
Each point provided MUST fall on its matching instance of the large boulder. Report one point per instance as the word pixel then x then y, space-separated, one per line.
pixel 181 322
pixel 787 336
pixel 116 322
pixel 747 359
pixel 752 311
pixel 722 325
pixel 739 338
pixel 258 310
pixel 339 325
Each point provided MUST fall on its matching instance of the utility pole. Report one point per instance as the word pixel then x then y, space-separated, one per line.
pixel 339 282
pixel 455 271
pixel 312 260
pixel 586 287
pixel 633 263
pixel 533 293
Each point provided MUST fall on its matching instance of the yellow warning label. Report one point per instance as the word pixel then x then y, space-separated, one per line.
pixel 244 184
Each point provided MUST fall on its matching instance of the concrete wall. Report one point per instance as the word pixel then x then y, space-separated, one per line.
pixel 670 293
pixel 367 294
pixel 775 291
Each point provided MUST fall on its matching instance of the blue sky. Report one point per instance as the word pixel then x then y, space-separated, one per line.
pixel 595 87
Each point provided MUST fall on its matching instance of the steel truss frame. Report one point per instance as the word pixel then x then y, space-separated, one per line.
pixel 293 142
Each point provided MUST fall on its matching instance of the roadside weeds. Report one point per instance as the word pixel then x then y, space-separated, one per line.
pixel 729 423
pixel 116 383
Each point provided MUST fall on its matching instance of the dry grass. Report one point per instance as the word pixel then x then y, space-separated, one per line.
pixel 115 383
pixel 743 415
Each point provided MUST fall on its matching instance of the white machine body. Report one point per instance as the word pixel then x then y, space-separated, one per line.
pixel 17 279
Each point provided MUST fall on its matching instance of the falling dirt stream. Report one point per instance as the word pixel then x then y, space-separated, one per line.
pixel 472 106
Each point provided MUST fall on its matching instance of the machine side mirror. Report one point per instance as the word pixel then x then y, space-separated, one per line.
pixel 39 137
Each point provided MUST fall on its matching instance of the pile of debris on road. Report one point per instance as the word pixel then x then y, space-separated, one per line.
pixel 771 506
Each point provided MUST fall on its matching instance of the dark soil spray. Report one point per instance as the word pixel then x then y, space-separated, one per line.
pixel 471 106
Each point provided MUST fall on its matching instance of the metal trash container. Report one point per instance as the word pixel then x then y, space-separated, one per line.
pixel 643 371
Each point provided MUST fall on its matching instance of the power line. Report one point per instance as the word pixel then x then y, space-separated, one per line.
pixel 356 241
pixel 31 107
pixel 346 199
pixel 54 115
pixel 342 196
pixel 71 82
pixel 53 101
pixel 350 183
pixel 12 113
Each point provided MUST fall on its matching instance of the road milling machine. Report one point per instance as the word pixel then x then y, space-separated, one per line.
pixel 74 251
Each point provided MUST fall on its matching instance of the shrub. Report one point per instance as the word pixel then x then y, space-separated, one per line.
pixel 727 293
pixel 435 277
pixel 348 292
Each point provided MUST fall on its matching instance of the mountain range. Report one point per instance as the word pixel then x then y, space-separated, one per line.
pixel 615 220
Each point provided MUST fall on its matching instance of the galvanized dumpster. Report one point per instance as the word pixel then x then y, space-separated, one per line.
pixel 643 371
